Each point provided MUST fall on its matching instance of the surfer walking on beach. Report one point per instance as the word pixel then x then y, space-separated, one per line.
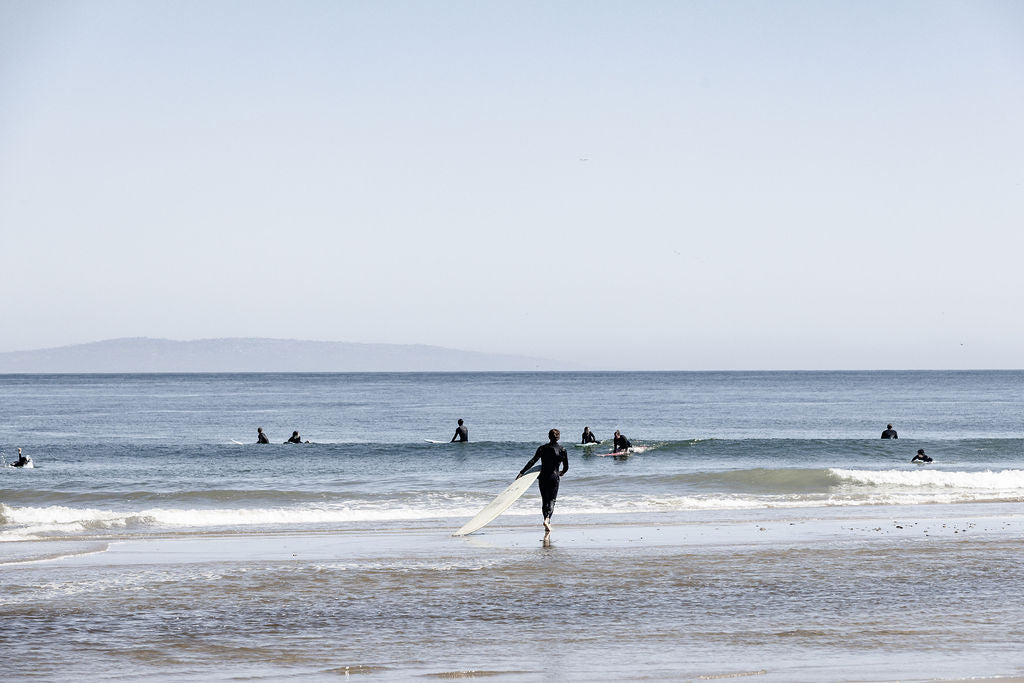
pixel 461 433
pixel 890 433
pixel 551 455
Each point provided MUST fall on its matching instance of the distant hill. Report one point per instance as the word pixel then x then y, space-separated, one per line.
pixel 142 354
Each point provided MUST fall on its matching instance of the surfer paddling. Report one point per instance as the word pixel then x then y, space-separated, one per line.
pixel 295 438
pixel 22 461
pixel 921 457
pixel 551 455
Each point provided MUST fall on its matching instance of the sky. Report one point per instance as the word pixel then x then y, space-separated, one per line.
pixel 620 185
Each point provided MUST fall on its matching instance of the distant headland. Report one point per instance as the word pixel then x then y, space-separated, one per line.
pixel 144 355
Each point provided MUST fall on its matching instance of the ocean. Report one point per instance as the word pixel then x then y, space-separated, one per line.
pixel 761 529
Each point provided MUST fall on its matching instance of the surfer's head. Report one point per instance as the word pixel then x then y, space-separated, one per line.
pixel 554 435
pixel 259 430
pixel 460 421
pixel 920 451
pixel 888 426
pixel 295 433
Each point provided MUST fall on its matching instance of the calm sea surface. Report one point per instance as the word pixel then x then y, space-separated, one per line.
pixel 762 527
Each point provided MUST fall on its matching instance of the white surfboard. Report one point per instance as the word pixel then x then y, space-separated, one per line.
pixel 629 451
pixel 238 442
pixel 432 441
pixel 501 503
pixel 588 445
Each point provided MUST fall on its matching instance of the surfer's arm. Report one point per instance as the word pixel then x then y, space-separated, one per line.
pixel 565 463
pixel 535 458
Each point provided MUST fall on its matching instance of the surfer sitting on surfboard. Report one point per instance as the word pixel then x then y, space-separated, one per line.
pixel 588 436
pixel 260 436
pixel 621 443
pixel 551 455
pixel 461 432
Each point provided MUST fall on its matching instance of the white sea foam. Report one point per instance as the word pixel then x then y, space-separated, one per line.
pixel 1003 480
pixel 849 488
pixel 57 519
pixel 32 522
pixel 25 523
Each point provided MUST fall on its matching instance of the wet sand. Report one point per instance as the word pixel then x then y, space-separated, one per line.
pixel 786 528
pixel 786 597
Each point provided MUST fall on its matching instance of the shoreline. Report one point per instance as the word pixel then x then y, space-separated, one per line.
pixel 779 528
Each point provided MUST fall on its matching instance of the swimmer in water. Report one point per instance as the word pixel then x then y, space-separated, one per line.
pixel 461 433
pixel 551 455
pixel 260 436
pixel 890 433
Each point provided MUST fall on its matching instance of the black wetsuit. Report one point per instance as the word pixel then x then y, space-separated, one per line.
pixel 461 433
pixel 621 443
pixel 21 462
pixel 588 437
pixel 295 439
pixel 920 457
pixel 551 455
pixel 890 434
pixel 262 438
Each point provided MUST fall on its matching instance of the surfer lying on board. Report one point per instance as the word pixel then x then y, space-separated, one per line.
pixel 921 457
pixel 588 436
pixel 260 436
pixel 461 432
pixel 620 443
pixel 551 455
pixel 295 438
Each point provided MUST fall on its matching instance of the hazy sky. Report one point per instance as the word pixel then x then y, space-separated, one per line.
pixel 664 185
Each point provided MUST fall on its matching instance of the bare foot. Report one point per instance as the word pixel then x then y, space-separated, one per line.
pixel 547 525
